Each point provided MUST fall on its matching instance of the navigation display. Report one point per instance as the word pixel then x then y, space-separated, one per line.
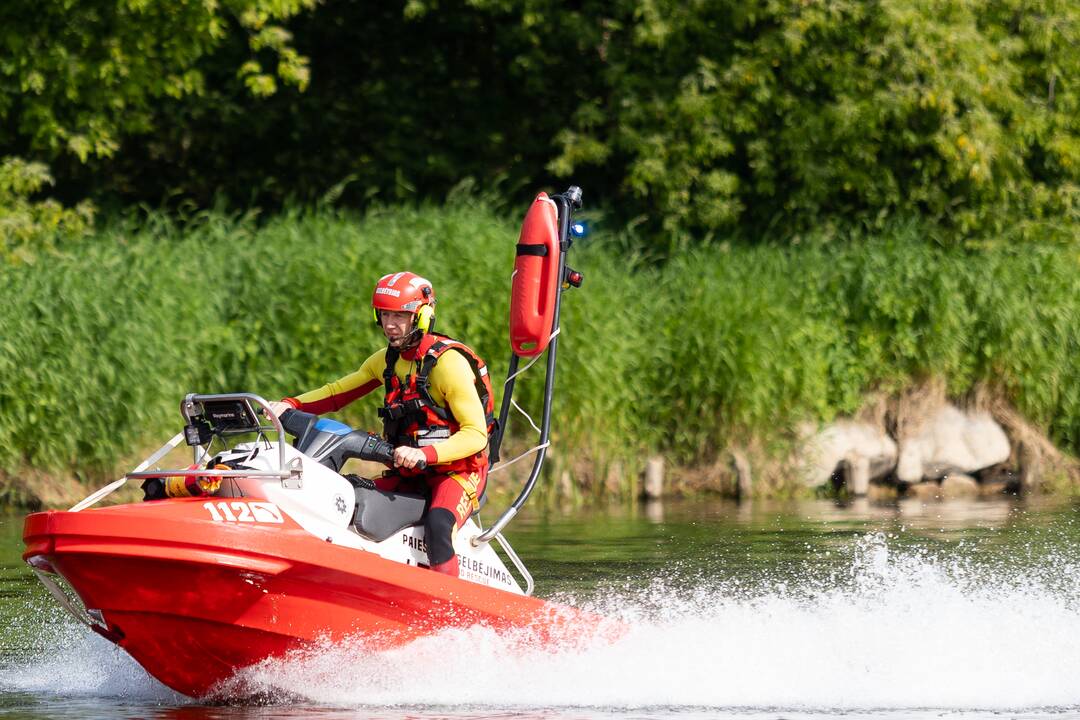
pixel 230 417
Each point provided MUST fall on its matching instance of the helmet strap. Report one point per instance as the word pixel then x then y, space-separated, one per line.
pixel 410 340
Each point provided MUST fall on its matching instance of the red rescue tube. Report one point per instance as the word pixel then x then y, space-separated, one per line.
pixel 535 282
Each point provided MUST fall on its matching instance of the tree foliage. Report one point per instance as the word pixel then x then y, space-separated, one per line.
pixel 79 76
pixel 404 102
pixel 720 114
pixel 696 118
pixel 27 225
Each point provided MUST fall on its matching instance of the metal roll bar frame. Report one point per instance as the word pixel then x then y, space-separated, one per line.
pixel 566 203
pixel 187 409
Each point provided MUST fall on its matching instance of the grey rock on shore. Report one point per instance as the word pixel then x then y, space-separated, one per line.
pixel 949 444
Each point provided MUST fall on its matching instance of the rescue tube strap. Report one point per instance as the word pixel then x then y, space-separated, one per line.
pixel 527 416
pixel 536 250
pixel 531 362
pixel 508 463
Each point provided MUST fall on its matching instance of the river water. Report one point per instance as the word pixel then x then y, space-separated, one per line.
pixel 806 609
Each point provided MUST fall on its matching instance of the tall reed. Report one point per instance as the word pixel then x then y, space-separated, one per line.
pixel 718 346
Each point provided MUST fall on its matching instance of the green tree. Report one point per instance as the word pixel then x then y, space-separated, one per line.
pixel 697 118
pixel 77 77
pixel 25 225
pixel 733 114
pixel 405 102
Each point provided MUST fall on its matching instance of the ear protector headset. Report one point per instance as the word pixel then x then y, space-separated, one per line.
pixel 425 318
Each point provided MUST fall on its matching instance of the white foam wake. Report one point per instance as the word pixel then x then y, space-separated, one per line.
pixel 78 663
pixel 54 655
pixel 892 631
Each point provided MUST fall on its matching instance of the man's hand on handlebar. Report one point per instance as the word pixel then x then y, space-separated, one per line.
pixel 409 457
pixel 279 407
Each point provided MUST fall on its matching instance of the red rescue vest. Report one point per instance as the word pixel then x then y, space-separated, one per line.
pixel 412 417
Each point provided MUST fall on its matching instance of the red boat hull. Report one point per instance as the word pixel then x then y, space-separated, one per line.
pixel 193 600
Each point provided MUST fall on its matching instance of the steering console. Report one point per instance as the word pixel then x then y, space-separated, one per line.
pixel 331 443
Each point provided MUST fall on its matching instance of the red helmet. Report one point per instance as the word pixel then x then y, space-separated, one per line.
pixel 405 292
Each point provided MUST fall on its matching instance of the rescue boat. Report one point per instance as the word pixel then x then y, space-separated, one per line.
pixel 262 546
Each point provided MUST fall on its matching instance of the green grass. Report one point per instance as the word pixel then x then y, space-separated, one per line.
pixel 717 347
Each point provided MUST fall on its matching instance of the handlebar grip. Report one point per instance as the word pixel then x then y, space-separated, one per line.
pixel 368 446
pixel 377 449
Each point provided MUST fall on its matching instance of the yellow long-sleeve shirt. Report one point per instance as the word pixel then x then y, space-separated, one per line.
pixel 451 386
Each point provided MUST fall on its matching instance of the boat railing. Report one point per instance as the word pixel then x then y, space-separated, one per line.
pixel 191 407
pixel 510 553
pixel 288 473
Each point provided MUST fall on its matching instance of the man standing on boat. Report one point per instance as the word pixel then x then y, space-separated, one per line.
pixel 437 410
